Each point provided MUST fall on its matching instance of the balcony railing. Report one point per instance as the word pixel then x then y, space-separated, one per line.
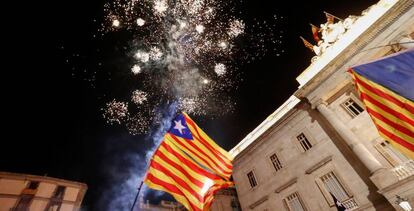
pixel 350 204
pixel 404 170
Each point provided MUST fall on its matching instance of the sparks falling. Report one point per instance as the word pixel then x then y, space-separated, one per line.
pixel 139 97
pixel 183 51
pixel 116 112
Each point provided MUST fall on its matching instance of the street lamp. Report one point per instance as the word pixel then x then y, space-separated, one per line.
pixel 403 203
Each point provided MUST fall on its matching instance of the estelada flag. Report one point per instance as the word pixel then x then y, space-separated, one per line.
pixel 185 134
pixel 386 87
pixel 184 166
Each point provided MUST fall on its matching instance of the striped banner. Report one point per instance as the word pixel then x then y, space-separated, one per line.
pixel 204 150
pixel 386 87
pixel 189 166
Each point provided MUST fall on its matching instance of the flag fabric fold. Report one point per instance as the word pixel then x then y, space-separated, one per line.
pixel 189 165
pixel 386 88
pixel 307 44
pixel 329 18
pixel 315 33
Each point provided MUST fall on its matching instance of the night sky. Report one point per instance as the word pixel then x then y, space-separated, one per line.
pixel 54 124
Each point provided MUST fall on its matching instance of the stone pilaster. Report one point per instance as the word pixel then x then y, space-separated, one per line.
pixel 350 138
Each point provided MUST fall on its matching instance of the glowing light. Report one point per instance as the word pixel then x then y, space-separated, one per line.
pixel 236 28
pixel 139 97
pixel 200 29
pixel 116 23
pixel 220 69
pixel 188 105
pixel 142 56
pixel 140 22
pixel 207 185
pixel 115 112
pixel 222 45
pixel 177 55
pixel 160 6
pixel 136 69
pixel 183 24
pixel 155 54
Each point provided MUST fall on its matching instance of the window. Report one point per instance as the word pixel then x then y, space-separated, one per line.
pixel 26 196
pixel 304 142
pixel 33 185
pixel 252 179
pixel 392 155
pixel 24 202
pixel 333 186
pixel 53 208
pixel 59 192
pixel 294 203
pixel 276 162
pixel 55 202
pixel 352 107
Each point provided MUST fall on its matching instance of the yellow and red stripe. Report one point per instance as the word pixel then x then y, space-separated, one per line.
pixel 173 171
pixel 198 154
pixel 393 115
pixel 208 153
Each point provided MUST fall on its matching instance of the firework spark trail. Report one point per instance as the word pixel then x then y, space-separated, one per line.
pixel 183 52
pixel 127 167
pixel 166 115
pixel 116 112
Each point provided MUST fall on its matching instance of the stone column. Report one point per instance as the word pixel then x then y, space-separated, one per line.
pixel 351 139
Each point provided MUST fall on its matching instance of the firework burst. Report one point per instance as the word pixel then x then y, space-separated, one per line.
pixel 139 97
pixel 116 112
pixel 220 69
pixel 183 51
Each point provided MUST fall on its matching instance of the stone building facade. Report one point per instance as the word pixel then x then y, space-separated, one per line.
pixel 225 200
pixel 321 141
pixel 21 192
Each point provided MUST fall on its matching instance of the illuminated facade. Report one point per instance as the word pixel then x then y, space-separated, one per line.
pixel 321 141
pixel 23 192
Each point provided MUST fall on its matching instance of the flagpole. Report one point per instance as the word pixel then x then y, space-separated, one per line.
pixel 136 197
pixel 332 15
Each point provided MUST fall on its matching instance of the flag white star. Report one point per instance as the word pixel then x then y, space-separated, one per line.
pixel 178 126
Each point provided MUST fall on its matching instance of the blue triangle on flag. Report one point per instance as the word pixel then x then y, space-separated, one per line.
pixel 395 72
pixel 180 128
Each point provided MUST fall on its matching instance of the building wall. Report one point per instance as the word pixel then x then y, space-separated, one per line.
pixel 15 187
pixel 297 167
pixel 225 200
pixel 301 170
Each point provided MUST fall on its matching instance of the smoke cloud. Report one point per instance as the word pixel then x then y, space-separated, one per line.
pixel 127 161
